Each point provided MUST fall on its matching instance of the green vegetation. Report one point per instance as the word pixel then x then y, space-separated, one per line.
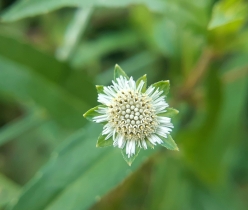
pixel 54 52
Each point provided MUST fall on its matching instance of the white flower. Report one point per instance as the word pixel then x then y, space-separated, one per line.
pixel 133 117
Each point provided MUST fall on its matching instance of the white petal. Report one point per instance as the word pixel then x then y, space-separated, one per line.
pixel 109 91
pixel 132 84
pixel 115 86
pixel 109 135
pixel 102 110
pixel 163 131
pixel 130 148
pixel 115 141
pixel 156 94
pixel 163 120
pixel 101 118
pixel 119 84
pixel 160 109
pixel 127 147
pixel 144 144
pixel 150 90
pixel 114 134
pixel 154 139
pixel 122 81
pixel 160 99
pixel 159 105
pixel 108 130
pixel 121 141
pixel 133 147
pixel 104 99
pixel 140 86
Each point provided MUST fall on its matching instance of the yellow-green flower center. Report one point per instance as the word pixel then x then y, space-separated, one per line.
pixel 132 115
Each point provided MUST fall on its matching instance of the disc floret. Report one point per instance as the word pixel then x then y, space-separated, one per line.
pixel 132 115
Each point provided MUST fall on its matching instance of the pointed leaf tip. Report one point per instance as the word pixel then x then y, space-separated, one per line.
pixel 130 160
pixel 90 114
pixel 163 85
pixel 99 88
pixel 119 72
pixel 170 112
pixel 169 143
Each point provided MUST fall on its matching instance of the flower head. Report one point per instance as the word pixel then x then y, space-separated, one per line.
pixel 133 116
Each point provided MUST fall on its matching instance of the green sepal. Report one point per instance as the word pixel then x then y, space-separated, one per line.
pixel 132 158
pixel 101 142
pixel 169 143
pixel 170 112
pixel 145 84
pixel 149 143
pixel 163 85
pixel 99 88
pixel 92 113
pixel 119 72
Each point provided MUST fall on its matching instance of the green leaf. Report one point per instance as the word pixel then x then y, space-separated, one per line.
pixel 90 114
pixel 165 36
pixel 23 8
pixel 143 78
pixel 226 12
pixel 99 88
pixel 74 32
pixel 132 158
pixel 170 112
pixel 22 125
pixel 221 127
pixel 62 74
pixel 119 72
pixel 164 168
pixel 101 142
pixel 104 44
pixel 9 190
pixel 22 53
pixel 85 166
pixel 163 85
pixel 169 143
pixel 23 84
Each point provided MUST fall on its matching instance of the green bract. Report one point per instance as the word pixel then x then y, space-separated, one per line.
pixel 134 116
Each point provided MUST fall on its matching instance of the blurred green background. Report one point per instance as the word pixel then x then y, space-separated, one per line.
pixel 54 52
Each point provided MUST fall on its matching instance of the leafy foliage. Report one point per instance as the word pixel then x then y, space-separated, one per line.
pixel 51 56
